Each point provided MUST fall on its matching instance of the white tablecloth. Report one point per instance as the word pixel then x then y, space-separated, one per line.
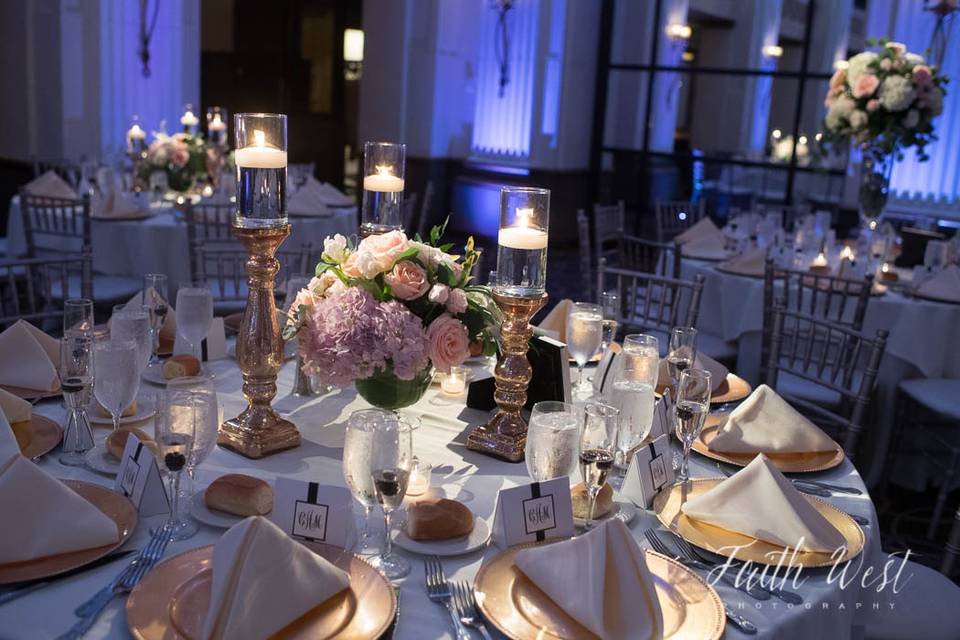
pixel 829 611
pixel 160 245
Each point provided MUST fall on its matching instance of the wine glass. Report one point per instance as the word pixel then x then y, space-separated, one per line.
pixel 391 457
pixel 194 314
pixel 155 297
pixel 598 442
pixel 116 375
pixel 633 396
pixel 175 426
pixel 78 317
pixel 76 380
pixel 356 465
pixel 552 438
pixel 610 304
pixel 690 412
pixel 206 417
pixel 584 332
pixel 133 323
pixel 682 352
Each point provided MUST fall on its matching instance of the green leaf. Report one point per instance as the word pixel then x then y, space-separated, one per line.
pixel 321 268
pixel 445 275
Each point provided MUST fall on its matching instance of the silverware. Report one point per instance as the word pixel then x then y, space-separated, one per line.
pixel 745 626
pixel 836 488
pixel 660 546
pixel 124 584
pixel 466 606
pixel 12 592
pixel 438 590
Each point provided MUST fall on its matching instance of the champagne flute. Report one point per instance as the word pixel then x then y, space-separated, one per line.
pixel 206 413
pixel 391 456
pixel 194 314
pixel 633 396
pixel 133 323
pixel 76 380
pixel 116 375
pixel 598 442
pixel 552 437
pixel 356 466
pixel 78 317
pixel 682 352
pixel 155 298
pixel 584 333
pixel 690 412
pixel 175 425
pixel 610 303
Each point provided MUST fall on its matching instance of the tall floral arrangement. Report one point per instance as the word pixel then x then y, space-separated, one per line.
pixel 183 157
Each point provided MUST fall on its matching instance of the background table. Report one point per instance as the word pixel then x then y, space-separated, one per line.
pixel 441 441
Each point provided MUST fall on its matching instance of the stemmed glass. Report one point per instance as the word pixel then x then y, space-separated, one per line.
pixel 690 412
pixel 552 438
pixel 633 395
pixel 598 443
pixel 356 466
pixel 610 304
pixel 206 419
pixel 175 426
pixel 76 380
pixel 133 323
pixel 584 332
pixel 78 317
pixel 155 297
pixel 682 352
pixel 116 375
pixel 391 456
pixel 194 314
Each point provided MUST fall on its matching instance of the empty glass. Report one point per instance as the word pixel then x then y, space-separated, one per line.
pixel 682 352
pixel 690 412
pixel 584 333
pixel 78 317
pixel 175 426
pixel 598 442
pixel 552 440
pixel 194 314
pixel 133 323
pixel 76 381
pixel 206 419
pixel 391 457
pixel 156 299
pixel 116 375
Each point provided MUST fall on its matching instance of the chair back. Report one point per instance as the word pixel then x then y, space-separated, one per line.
pixel 408 215
pixel 832 356
pixel 639 254
pixel 224 270
pixel 53 226
pixel 650 302
pixel 586 255
pixel 27 287
pixel 675 217
pixel 70 171
pixel 209 226
pixel 609 223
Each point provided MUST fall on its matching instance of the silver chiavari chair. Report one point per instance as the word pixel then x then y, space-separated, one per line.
pixel 209 225
pixel 67 169
pixel 835 357
pixel 609 222
pixel 53 226
pixel 224 270
pixel 639 254
pixel 33 289
pixel 674 217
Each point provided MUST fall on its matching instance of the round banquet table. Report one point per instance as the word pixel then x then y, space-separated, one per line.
pixel 829 611
pixel 159 244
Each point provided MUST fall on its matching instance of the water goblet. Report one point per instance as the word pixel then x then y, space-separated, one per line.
pixel 133 323
pixel 194 314
pixel 116 377
pixel 552 440
pixel 584 333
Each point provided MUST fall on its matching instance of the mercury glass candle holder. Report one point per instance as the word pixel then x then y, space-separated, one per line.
pixel 383 183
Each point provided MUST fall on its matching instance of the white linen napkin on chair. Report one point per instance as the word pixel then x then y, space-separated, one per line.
pixel 945 285
pixel 758 501
pixel 310 200
pixel 767 423
pixel 718 372
pixel 50 185
pixel 263 580
pixel 29 358
pixel 599 579
pixel 554 324
pixel 43 516
pixel 748 263
pixel 15 409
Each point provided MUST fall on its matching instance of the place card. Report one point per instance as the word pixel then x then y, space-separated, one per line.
pixel 313 512
pixel 650 470
pixel 606 370
pixel 139 479
pixel 662 417
pixel 533 513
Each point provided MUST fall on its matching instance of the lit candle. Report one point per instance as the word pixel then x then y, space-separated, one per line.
pixel 846 253
pixel 383 181
pixel 217 124
pixel 259 155
pixel 136 133
pixel 455 382
pixel 885 267
pixel 188 119
pixel 820 260
pixel 522 236
pixel 419 481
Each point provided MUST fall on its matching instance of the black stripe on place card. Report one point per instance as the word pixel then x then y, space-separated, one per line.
pixel 312 489
pixel 653 452
pixel 535 493
pixel 203 350
pixel 606 372
pixel 136 455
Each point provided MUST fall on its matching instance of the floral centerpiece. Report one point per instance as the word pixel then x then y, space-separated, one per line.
pixel 183 158
pixel 382 313
pixel 885 102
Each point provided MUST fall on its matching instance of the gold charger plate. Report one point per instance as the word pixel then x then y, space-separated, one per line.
pixel 171 601
pixel 785 462
pixel 31 394
pixel 730 390
pixel 712 538
pixel 520 610
pixel 117 507
pixel 40 435
pixel 731 272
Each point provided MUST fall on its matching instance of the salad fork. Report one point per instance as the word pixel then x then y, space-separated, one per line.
pixel 466 606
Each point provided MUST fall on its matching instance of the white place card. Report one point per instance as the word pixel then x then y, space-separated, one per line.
pixel 650 470
pixel 313 512
pixel 139 479
pixel 533 513
pixel 662 417
pixel 606 370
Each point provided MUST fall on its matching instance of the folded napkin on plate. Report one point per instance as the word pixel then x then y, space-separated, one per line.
pixel 767 423
pixel 555 322
pixel 718 372
pixel 333 197
pixel 15 409
pixel 702 230
pixel 263 581
pixel 758 501
pixel 748 263
pixel 50 185
pixel 315 199
pixel 944 285
pixel 599 579
pixel 28 358
pixel 708 249
pixel 44 517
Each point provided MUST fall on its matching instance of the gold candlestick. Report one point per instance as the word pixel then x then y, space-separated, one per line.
pixel 505 436
pixel 259 430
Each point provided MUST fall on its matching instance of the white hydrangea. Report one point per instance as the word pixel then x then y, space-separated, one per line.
pixel 914 58
pixel 858 65
pixel 896 93
pixel 335 248
pixel 834 118
pixel 858 119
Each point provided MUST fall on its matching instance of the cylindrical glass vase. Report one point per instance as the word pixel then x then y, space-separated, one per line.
pixel 522 241
pixel 261 160
pixel 383 182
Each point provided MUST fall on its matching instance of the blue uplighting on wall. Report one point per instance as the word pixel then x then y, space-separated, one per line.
pixel 475 208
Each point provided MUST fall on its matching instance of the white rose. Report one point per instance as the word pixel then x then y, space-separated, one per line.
pixel 428 255
pixel 335 248
pixel 912 119
pixel 858 119
pixel 914 59
pixel 896 93
pixel 898 47
pixel 858 64
pixel 319 286
pixel 367 264
pixel 438 293
pixel 844 106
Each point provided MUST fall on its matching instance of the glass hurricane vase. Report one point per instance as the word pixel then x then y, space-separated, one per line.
pixel 385 390
pixel 875 173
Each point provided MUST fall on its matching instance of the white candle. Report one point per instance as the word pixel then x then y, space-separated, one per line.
pixel 522 238
pixel 217 124
pixel 820 260
pixel 383 181
pixel 260 156
pixel 454 382
pixel 419 481
pixel 846 253
pixel 189 120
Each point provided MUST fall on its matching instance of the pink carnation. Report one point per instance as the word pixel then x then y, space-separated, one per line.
pixel 179 154
pixel 448 343
pixel 408 280
pixel 457 301
pixel 865 85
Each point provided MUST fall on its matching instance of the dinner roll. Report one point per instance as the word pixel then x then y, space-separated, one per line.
pixel 180 366
pixel 117 440
pixel 581 502
pixel 240 495
pixel 438 520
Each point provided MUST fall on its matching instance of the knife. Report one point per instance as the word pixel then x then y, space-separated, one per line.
pixel 14 591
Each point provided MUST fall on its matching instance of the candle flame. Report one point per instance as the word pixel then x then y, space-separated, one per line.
pixel 384 170
pixel 523 216
pixel 821 259
pixel 846 253
pixel 216 118
pixel 885 267
pixel 259 139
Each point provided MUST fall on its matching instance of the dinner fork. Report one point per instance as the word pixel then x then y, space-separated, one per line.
pixel 466 606
pixel 438 590
pixel 128 580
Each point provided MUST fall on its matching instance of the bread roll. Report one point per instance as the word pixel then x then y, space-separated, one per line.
pixel 180 366
pixel 117 440
pixel 438 520
pixel 240 495
pixel 129 411
pixel 581 502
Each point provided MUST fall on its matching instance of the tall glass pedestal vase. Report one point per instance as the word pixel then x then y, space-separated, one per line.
pixel 875 173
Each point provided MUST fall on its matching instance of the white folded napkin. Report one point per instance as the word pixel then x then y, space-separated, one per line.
pixel 767 423
pixel 712 248
pixel 15 409
pixel 758 501
pixel 50 185
pixel 263 580
pixel 704 229
pixel 309 200
pixel 28 358
pixel 45 517
pixel 599 579
pixel 718 372
pixel 333 197
pixel 748 263
pixel 118 204
pixel 555 322
pixel 945 285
